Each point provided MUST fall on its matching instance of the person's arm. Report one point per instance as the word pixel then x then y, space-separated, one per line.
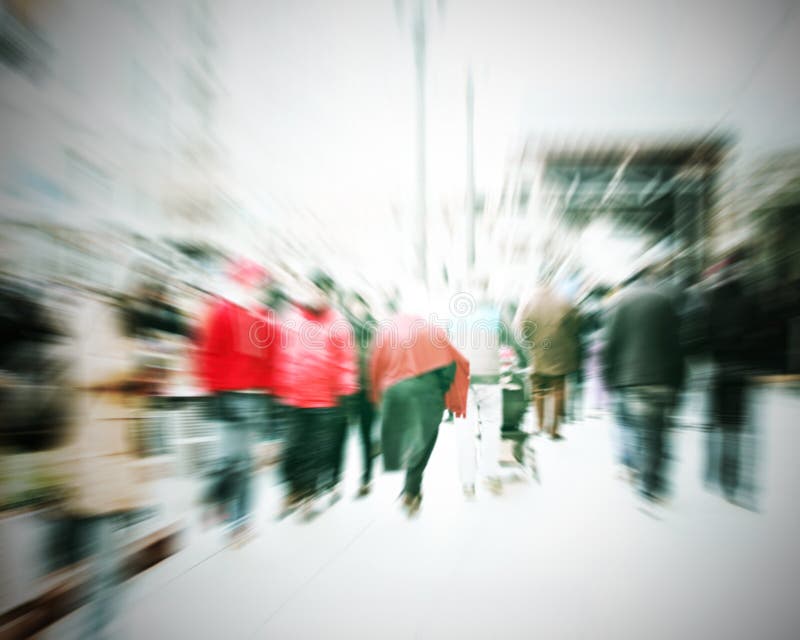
pixel 611 348
pixel 524 330
pixel 676 350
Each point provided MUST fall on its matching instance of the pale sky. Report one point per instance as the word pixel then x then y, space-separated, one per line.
pixel 320 105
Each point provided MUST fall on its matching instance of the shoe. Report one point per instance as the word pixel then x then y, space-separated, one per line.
pixel 309 510
pixel 534 471
pixel 364 490
pixel 411 504
pixel 469 491
pixel 495 485
pixel 241 535
pixel 656 500
pixel 650 504
pixel 625 473
pixel 556 437
pixel 290 504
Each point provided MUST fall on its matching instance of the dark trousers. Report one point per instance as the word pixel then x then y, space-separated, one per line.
pixel 310 441
pixel 362 411
pixel 644 411
pixel 412 411
pixel 276 424
pixel 366 415
pixel 338 439
pixel 728 421
pixel 418 462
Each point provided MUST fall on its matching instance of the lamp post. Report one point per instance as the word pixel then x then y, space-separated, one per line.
pixel 470 203
pixel 419 33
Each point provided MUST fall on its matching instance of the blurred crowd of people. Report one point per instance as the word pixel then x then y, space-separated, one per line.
pixel 305 361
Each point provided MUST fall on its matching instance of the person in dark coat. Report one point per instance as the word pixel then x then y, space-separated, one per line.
pixel 363 411
pixel 644 365
pixel 732 312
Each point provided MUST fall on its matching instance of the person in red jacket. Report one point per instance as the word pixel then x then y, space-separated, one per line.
pixel 234 365
pixel 318 370
pixel 415 373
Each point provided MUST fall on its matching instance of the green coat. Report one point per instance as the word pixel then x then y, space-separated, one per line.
pixel 411 411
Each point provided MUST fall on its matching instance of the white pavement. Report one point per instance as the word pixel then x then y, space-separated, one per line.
pixel 571 558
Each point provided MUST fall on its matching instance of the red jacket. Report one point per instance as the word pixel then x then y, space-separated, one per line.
pixel 235 348
pixel 317 363
pixel 408 346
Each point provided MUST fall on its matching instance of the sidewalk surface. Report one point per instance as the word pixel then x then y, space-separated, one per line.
pixel 573 557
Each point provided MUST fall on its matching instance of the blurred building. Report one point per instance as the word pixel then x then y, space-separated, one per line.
pixel 771 195
pixel 107 110
pixel 567 200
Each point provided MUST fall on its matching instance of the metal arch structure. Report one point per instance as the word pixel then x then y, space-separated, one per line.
pixel 660 189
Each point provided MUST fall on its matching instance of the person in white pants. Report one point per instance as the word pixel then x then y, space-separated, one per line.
pixel 476 331
pixel 478 437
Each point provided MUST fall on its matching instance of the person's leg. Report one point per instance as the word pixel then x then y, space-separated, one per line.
pixel 417 464
pixel 558 393
pixel 490 401
pixel 366 415
pixel 652 409
pixel 295 455
pixel 729 467
pixel 465 438
pixel 253 423
pixel 318 445
pixel 569 409
pixel 103 534
pixel 268 430
pixel 398 420
pixel 280 420
pixel 243 413
pixel 539 395
pixel 651 458
pixel 574 396
pixel 627 430
pixel 731 421
pixel 636 419
pixel 339 429
pixel 430 405
pixel 714 447
pixel 230 471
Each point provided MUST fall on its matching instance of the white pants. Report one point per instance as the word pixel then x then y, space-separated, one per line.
pixel 484 419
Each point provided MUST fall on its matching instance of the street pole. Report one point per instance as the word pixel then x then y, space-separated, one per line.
pixel 419 34
pixel 470 203
pixel 422 217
